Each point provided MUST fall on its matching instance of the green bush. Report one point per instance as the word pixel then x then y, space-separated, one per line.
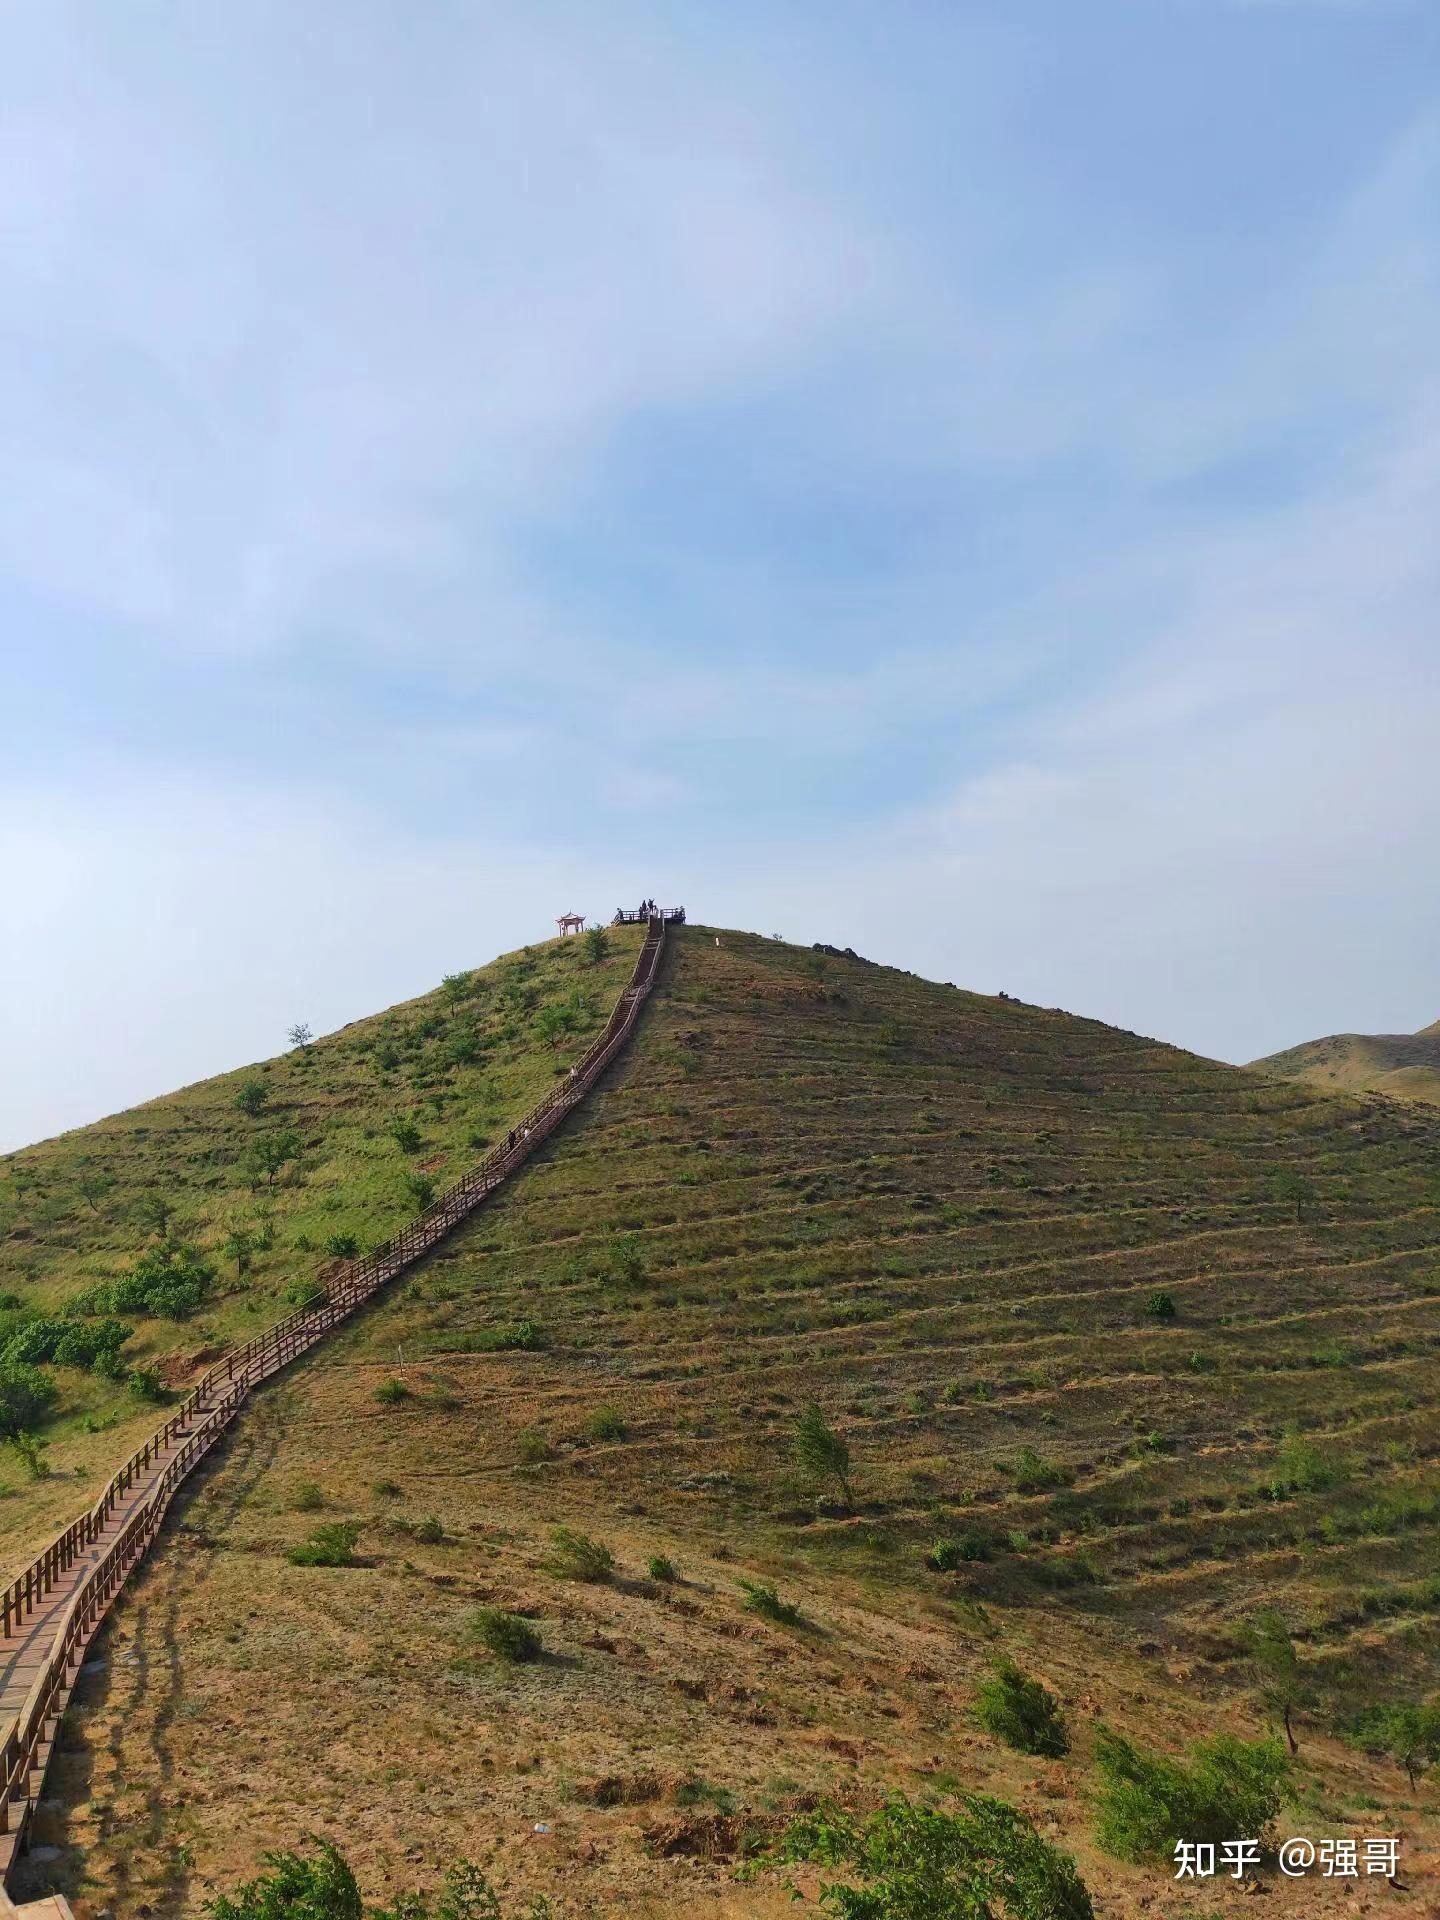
pixel 307 1498
pixel 506 1634
pixel 606 1423
pixel 1161 1305
pixel 921 1863
pixel 576 1556
pixel 342 1246
pixel 968 1545
pixel 167 1282
pixel 523 1336
pixel 1148 1801
pixel 332 1545
pixel 1036 1475
pixel 659 1567
pixel 406 1135
pixel 766 1601
pixel 252 1097
pixel 1021 1712
pixel 144 1383
pixel 421 1189
pixel 430 1531
pixel 627 1263
pixel 391 1392
pixel 323 1888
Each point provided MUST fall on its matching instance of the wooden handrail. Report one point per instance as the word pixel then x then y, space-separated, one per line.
pixel 214 1401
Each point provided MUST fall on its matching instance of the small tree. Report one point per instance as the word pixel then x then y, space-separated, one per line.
pixel 821 1453
pixel 405 1133
pixel 597 945
pixel 1021 1712
pixel 93 1185
pixel 239 1246
pixel 458 986
pixel 252 1097
pixel 155 1211
pixel 1409 1734
pixel 1293 1189
pixel 300 1035
pixel 1277 1667
pixel 270 1153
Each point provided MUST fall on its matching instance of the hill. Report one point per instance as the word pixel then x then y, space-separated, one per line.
pixel 1404 1065
pixel 1125 1345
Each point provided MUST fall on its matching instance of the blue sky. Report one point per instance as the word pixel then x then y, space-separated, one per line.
pixel 958 480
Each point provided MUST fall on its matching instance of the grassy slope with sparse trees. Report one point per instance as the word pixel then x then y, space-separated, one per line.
pixel 133 1250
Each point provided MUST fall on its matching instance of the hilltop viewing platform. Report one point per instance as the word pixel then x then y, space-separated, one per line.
pixel 637 916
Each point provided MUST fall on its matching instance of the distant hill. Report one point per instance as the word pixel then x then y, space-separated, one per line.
pixel 1405 1065
pixel 1125 1345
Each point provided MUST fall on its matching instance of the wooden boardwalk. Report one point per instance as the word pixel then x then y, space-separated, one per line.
pixel 51 1611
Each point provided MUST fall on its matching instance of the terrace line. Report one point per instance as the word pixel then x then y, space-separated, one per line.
pixel 51 1611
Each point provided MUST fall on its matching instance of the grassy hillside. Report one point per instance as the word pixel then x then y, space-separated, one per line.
pixel 1126 1346
pixel 364 1119
pixel 1404 1065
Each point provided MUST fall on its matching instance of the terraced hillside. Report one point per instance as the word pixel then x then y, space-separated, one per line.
pixel 266 1172
pixel 1126 1346
pixel 1404 1065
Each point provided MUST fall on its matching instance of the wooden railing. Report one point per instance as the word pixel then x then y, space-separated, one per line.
pixel 216 1398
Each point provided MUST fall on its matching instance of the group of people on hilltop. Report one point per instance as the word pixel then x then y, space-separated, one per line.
pixel 647 908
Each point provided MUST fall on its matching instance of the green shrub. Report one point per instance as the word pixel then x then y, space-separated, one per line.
pixel 947 1554
pixel 306 1291
pixel 144 1383
pixel 252 1097
pixel 430 1531
pixel 332 1545
pixel 1036 1475
pixel 1148 1801
pixel 1021 1712
pixel 307 1498
pixel 766 1601
pixel 342 1246
pixel 919 1863
pixel 406 1135
pixel 627 1264
pixel 1161 1305
pixel 167 1282
pixel 391 1392
pixel 1302 1467
pixel 421 1189
pixel 576 1556
pixel 505 1634
pixel 32 1453
pixel 1407 1731
pixel 659 1567
pixel 531 1447
pixel 297 1888
pixel 523 1336
pixel 606 1423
